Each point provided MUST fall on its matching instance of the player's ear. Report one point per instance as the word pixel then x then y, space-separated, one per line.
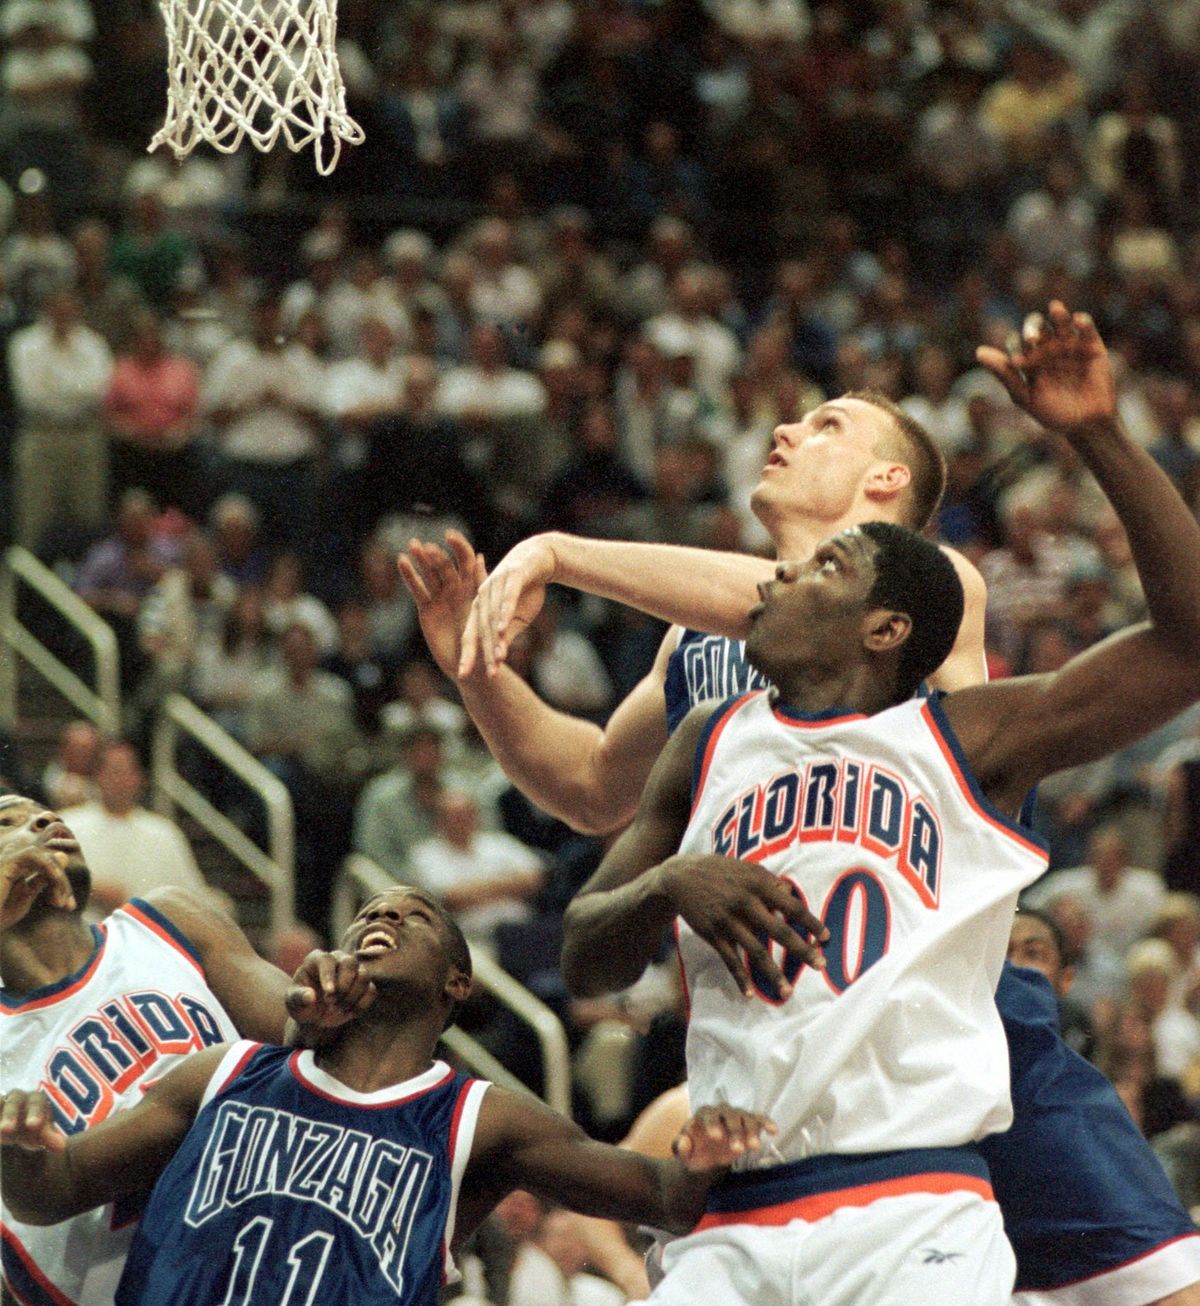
pixel 885 630
pixel 458 985
pixel 886 480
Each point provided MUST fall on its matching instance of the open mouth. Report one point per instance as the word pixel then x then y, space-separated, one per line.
pixel 60 839
pixel 376 942
pixel 776 459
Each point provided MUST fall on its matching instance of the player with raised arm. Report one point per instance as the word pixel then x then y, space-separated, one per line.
pixel 91 1014
pixel 844 859
pixel 1123 1260
pixel 351 1174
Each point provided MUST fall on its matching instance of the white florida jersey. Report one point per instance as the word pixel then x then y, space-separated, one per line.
pixel 878 826
pixel 93 1043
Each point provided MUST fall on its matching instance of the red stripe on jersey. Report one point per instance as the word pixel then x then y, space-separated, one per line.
pixel 30 1267
pixel 819 1205
pixel 965 788
pixel 714 733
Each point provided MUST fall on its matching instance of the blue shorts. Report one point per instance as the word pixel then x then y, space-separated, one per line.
pixel 1081 1192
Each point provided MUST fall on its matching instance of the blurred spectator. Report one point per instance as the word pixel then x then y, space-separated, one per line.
pixel 390 615
pixel 359 664
pixel 300 722
pixel 185 611
pixel 501 95
pixel 109 302
pixel 1086 33
pixel 426 122
pixel 712 346
pixel 504 292
pixel 118 572
pixel 1133 146
pixel 1153 972
pixel 129 850
pixel 565 668
pixel 263 394
pixel 229 665
pixel 1178 924
pixel 1054 225
pixel 486 878
pixel 1181 818
pixel 152 414
pixel 594 485
pixel 234 521
pixel 70 776
pixel 36 261
pixel 1122 900
pixel 397 809
pixel 1127 1055
pixel 149 251
pixel 420 702
pixel 1038 93
pixel 941 411
pixel 60 371
pixel 286 604
pixel 43 73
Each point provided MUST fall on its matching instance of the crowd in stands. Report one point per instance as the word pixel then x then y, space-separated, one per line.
pixel 591 253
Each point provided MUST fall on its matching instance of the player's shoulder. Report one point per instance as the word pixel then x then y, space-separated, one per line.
pixel 189 913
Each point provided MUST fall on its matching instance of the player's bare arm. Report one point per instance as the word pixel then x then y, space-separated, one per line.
pixel 615 924
pixel 325 992
pixel 698 588
pixel 48 1177
pixel 587 775
pixel 1018 731
pixel 520 1143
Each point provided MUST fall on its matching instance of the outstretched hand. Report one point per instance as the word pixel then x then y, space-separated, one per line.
pixel 27 872
pixel 720 1135
pixel 508 600
pixel 443 584
pixel 1060 373
pixel 27 1121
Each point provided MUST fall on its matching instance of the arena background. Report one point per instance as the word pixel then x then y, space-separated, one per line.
pixel 589 255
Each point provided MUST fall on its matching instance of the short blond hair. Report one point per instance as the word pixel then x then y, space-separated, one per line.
pixel 915 448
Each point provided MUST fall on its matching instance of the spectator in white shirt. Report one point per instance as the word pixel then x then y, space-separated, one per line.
pixel 1121 900
pixel 263 395
pixel 939 410
pixel 504 292
pixel 485 879
pixel 712 345
pixel 70 776
pixel 60 371
pixel 130 850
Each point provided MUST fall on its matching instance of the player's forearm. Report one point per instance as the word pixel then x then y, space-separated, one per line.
pixel 697 588
pixel 550 756
pixel 37 1186
pixel 1164 536
pixel 611 936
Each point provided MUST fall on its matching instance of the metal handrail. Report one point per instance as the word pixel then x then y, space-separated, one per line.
pixel 170 788
pixel 361 877
pixel 102 704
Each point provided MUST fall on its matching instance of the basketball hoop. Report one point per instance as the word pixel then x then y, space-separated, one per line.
pixel 255 69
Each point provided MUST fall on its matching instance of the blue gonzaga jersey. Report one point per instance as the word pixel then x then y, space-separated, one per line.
pixel 292 1190
pixel 706 667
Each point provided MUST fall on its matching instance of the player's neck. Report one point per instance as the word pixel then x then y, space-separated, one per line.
pixel 372 1055
pixel 856 688
pixel 797 539
pixel 43 952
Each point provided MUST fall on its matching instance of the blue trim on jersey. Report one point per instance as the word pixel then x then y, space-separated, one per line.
pixel 1080 1189
pixel 753 1189
pixel 18 1279
pixel 38 995
pixel 720 712
pixel 946 730
pixel 171 928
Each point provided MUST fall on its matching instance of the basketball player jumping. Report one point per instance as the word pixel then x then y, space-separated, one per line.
pixel 346 1175
pixel 840 972
pixel 1109 1233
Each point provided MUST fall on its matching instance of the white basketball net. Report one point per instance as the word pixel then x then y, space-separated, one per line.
pixel 256 69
